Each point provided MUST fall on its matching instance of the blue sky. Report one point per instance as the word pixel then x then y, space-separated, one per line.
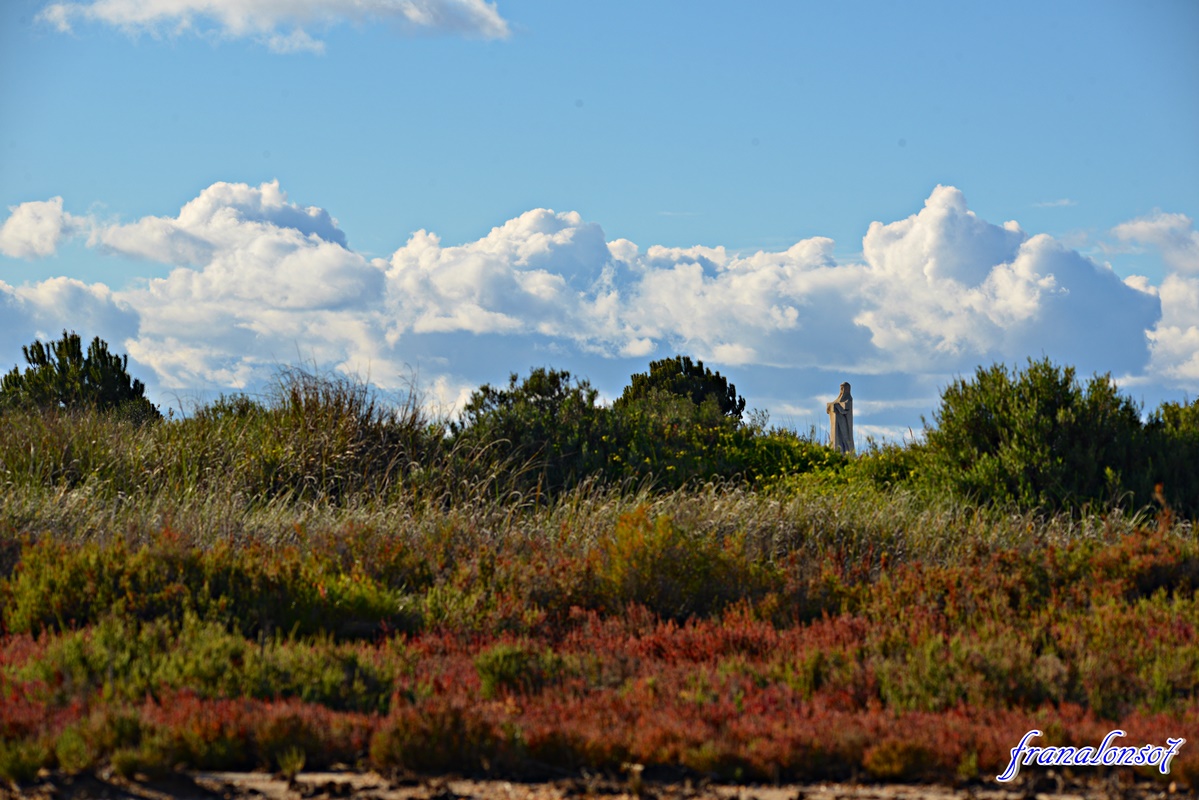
pixel 798 193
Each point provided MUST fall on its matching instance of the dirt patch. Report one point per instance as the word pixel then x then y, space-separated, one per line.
pixel 371 786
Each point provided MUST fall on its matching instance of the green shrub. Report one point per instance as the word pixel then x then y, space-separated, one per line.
pixel 515 668
pixel 315 438
pixel 659 565
pixel 666 439
pixel 153 757
pixel 21 760
pixel 250 589
pixel 1173 431
pixel 1037 438
pixel 73 751
pixel 543 431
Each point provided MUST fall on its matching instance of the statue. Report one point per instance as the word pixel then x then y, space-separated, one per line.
pixel 840 421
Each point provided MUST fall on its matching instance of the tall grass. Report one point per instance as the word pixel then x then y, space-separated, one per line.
pixel 323 468
pixel 242 574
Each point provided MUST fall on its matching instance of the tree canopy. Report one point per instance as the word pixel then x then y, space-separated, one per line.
pixel 60 375
pixel 681 377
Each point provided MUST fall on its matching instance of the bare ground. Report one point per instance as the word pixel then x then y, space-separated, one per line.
pixel 371 786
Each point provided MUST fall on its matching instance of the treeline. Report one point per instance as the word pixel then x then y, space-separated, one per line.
pixel 1035 438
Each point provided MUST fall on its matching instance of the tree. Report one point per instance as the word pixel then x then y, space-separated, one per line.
pixel 680 377
pixel 1037 438
pixel 1173 431
pixel 61 376
pixel 548 424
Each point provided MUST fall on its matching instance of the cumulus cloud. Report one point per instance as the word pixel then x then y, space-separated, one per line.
pixel 259 282
pixel 35 229
pixel 255 274
pixel 530 274
pixel 44 310
pixel 948 289
pixel 1173 234
pixel 1175 338
pixel 252 246
pixel 283 27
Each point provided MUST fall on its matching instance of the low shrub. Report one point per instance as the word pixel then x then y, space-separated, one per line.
pixel 251 589
pixel 439 735
pixel 658 564
pixel 21 760
pixel 513 667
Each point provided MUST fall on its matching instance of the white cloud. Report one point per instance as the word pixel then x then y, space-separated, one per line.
pixel 35 229
pixel 947 289
pixel 252 246
pixel 260 282
pixel 1175 338
pixel 281 26
pixel 1172 234
pixel 45 309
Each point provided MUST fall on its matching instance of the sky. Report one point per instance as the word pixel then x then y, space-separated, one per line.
pixel 438 193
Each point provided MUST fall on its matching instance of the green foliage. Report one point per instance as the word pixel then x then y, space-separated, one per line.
pixel 313 438
pixel 291 761
pixel 20 760
pixel 61 376
pixel 249 589
pixel 151 758
pixel 545 430
pixel 1173 432
pixel 73 752
pixel 511 667
pixel 124 660
pixel 658 564
pixel 669 439
pixel 680 377
pixel 1036 438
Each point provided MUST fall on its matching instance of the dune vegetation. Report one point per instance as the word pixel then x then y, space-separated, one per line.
pixel 546 584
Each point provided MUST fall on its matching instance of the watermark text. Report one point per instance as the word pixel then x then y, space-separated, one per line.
pixel 1107 754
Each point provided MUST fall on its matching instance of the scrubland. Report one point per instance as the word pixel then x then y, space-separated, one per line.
pixel 320 577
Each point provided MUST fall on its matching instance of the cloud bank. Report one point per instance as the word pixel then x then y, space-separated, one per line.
pixel 259 281
pixel 283 27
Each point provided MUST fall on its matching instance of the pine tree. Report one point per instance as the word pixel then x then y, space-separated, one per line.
pixel 60 376
pixel 680 377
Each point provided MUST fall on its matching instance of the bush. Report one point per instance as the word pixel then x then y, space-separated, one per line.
pixel 515 668
pixel 675 574
pixel 251 589
pixel 544 430
pixel 315 438
pixel 1037 438
pixel 21 760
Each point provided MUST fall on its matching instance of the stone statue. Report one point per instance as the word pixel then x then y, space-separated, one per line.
pixel 840 421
